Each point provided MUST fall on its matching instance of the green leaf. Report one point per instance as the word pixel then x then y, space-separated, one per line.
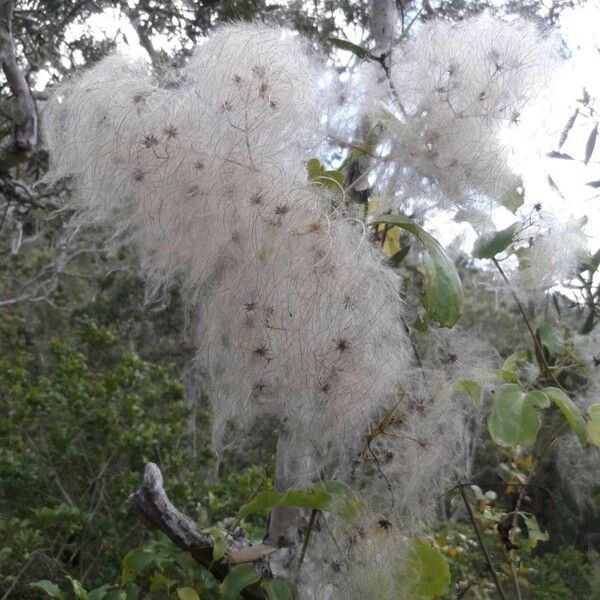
pixel 508 376
pixel 263 501
pixel 314 169
pixel 219 548
pixel 515 418
pixel 332 180
pixel 427 572
pixel 51 589
pixel 593 424
pixel 350 47
pixel 567 128
pixel 219 544
pixel 187 593
pixel 491 243
pixel 134 562
pixel 421 324
pixel 469 387
pixel 277 589
pixel 314 498
pixel 550 340
pixel 78 589
pixel 397 258
pixel 333 496
pixel 159 580
pixel 534 533
pixel 590 144
pixel 98 593
pixel 237 579
pixel 343 500
pixel 443 297
pixel 569 411
pixel 515 360
pixel 132 591
pixel 513 200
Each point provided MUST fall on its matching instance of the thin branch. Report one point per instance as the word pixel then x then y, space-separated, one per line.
pixel 513 565
pixel 482 545
pixel 309 528
pixel 539 351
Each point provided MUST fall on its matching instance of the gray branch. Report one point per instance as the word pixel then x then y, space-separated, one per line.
pixel 151 505
pixel 15 147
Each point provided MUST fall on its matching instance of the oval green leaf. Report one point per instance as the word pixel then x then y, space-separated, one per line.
pixel 277 589
pixel 443 296
pixel 515 419
pixel 427 572
pixel 332 180
pixel 219 543
pixel 513 200
pixel 569 411
pixel 263 501
pixel 99 593
pixel 134 562
pixel 315 498
pixel 350 47
pixel 78 590
pixel 469 387
pixel 534 533
pixel 187 593
pixel 49 588
pixel 238 578
pixel 489 244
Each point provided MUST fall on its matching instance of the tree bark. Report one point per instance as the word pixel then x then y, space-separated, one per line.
pixel 151 505
pixel 383 23
pixel 14 148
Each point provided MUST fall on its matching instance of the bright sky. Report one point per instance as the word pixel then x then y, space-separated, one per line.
pixel 580 28
pixel 541 129
pixel 581 31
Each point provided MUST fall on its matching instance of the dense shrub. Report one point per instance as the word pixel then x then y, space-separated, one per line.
pixel 77 430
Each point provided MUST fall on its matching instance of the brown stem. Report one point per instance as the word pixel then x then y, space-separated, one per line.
pixel 482 545
pixel 309 528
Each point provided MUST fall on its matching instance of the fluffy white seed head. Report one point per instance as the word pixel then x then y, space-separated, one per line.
pixel 556 249
pixel 457 87
pixel 579 470
pixel 299 323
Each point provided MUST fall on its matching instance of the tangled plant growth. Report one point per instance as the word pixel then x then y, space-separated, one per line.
pixel 301 327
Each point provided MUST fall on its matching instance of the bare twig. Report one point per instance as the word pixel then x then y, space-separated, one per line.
pixel 309 528
pixel 539 351
pixel 513 565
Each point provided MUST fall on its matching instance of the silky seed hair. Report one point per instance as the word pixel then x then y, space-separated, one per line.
pixel 456 87
pixel 299 324
pixel 296 317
